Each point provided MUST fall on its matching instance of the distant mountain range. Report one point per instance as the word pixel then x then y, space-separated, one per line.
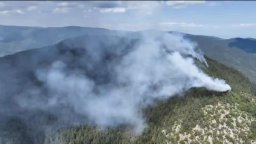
pixel 239 53
pixel 16 38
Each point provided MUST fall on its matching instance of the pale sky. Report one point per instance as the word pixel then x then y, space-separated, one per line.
pixel 216 18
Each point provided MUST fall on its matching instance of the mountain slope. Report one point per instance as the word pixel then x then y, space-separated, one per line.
pixel 247 44
pixel 237 53
pixel 187 118
pixel 199 116
pixel 28 121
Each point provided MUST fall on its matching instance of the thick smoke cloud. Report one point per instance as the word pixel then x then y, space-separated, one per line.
pixel 160 66
pixel 108 82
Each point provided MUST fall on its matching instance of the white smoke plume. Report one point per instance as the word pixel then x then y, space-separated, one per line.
pixel 160 66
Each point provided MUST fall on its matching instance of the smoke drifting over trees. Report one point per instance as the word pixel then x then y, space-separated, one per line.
pixel 101 80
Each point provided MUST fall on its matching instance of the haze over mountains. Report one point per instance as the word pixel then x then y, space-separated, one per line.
pixel 239 53
pixel 18 38
pixel 55 78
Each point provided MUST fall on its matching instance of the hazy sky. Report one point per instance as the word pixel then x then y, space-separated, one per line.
pixel 218 18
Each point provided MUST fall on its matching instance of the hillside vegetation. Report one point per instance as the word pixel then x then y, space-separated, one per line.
pixel 199 116
pixel 237 53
